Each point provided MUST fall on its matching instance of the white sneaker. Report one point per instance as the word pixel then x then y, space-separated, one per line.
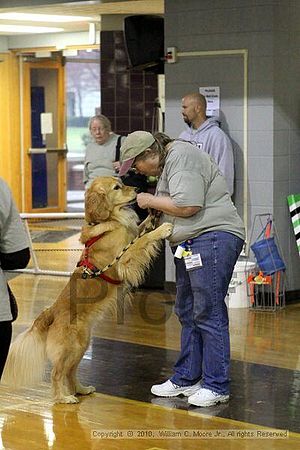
pixel 169 389
pixel 206 397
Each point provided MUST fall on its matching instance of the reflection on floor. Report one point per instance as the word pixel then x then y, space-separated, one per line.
pixel 261 394
pixel 50 236
pixel 138 347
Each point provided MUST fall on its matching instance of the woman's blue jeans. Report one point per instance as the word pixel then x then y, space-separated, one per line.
pixel 202 312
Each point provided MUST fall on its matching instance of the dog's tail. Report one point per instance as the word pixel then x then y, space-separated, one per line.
pixel 25 365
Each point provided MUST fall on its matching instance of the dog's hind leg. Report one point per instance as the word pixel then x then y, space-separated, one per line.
pixel 75 384
pixel 78 387
pixel 75 387
pixel 62 392
pixel 84 390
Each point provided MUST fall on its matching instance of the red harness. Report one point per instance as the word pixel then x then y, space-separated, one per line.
pixel 90 269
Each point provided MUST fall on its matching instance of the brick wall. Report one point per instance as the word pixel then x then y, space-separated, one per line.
pixel 127 96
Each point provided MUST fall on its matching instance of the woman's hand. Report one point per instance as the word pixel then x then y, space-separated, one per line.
pixel 116 165
pixel 166 205
pixel 144 200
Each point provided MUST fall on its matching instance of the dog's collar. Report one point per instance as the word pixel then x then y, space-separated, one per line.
pixel 89 270
pixel 92 241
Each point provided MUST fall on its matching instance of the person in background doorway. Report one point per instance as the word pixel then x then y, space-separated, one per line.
pixel 102 158
pixel 100 155
pixel 206 133
pixel 207 238
pixel 14 254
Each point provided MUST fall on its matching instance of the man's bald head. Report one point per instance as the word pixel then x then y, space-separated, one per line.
pixel 194 109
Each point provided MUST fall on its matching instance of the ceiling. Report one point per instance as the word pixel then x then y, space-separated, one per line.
pixel 93 10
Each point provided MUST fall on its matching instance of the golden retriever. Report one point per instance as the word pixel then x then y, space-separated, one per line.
pixel 62 332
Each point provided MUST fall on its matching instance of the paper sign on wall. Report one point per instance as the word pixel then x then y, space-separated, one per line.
pixel 212 95
pixel 46 123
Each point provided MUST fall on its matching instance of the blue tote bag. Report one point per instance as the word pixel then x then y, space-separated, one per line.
pixel 267 254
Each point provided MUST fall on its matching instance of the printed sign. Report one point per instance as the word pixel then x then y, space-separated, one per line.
pixel 212 95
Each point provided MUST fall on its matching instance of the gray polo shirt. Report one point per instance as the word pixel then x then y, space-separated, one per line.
pixel 191 178
pixel 12 239
pixel 99 160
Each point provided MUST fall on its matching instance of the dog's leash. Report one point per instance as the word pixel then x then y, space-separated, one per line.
pixel 89 269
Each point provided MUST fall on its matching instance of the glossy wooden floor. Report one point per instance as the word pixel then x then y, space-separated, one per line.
pixel 136 348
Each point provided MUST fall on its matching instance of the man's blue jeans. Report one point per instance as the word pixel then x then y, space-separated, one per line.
pixel 202 312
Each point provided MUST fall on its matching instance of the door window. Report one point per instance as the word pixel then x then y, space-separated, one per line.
pixel 82 74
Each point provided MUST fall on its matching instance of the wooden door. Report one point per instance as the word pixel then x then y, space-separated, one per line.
pixel 44 159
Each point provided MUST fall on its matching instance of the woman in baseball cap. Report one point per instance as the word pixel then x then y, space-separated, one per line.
pixel 207 238
pixel 134 145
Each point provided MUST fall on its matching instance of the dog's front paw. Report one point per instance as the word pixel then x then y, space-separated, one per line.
pixel 165 230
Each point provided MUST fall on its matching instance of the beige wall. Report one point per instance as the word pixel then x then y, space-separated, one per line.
pixel 10 163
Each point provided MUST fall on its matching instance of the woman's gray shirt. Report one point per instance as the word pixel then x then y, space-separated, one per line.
pixel 191 178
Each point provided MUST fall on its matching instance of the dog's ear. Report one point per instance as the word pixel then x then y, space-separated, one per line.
pixel 96 206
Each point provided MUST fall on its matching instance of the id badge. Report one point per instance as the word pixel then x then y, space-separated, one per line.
pixel 193 262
